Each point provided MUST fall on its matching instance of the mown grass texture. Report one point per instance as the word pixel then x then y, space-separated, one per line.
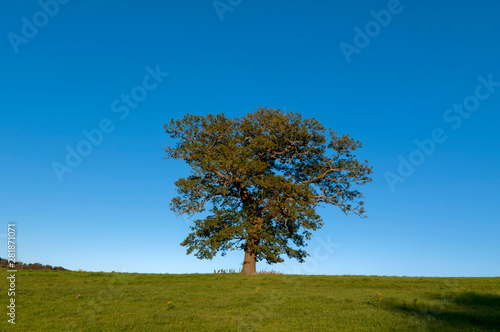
pixel 47 301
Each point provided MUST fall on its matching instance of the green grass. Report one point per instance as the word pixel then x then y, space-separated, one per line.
pixel 45 301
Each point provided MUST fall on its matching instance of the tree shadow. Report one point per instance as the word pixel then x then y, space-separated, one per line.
pixel 458 311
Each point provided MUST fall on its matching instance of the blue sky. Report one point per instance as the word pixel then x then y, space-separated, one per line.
pixel 418 70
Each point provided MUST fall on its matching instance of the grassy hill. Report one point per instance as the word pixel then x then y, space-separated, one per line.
pixel 46 301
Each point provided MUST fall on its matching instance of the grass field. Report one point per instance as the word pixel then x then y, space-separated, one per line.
pixel 46 301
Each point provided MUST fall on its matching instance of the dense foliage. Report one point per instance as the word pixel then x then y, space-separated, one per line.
pixel 4 264
pixel 261 178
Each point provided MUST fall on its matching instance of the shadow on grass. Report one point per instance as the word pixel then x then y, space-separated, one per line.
pixel 458 311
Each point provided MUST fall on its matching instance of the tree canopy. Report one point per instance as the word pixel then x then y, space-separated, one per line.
pixel 260 178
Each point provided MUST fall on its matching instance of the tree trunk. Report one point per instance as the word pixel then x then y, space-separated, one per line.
pixel 249 264
pixel 249 261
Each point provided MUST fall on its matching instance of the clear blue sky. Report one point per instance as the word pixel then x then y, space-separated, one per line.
pixel 73 69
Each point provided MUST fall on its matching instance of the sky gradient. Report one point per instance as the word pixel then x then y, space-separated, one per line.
pixel 417 82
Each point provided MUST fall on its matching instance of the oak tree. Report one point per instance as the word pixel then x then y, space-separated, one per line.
pixel 260 179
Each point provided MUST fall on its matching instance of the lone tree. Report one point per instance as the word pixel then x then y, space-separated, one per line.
pixel 261 177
